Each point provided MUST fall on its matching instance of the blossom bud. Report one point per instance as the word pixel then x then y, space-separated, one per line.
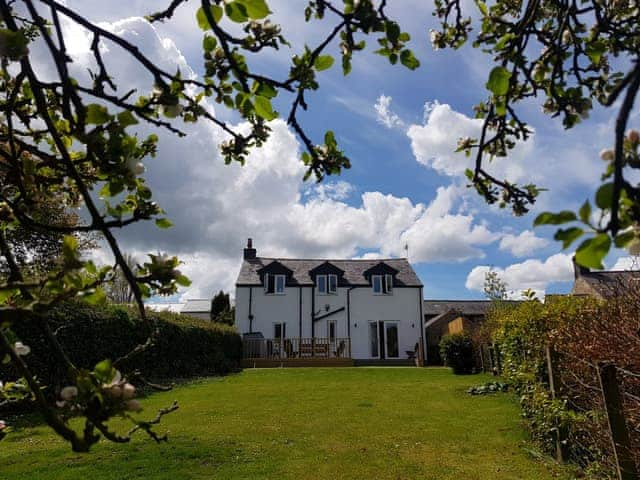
pixel 3 425
pixel 69 393
pixel 133 405
pixel 128 391
pixel 607 155
pixel 114 391
pixel 21 348
pixel 633 136
pixel 566 37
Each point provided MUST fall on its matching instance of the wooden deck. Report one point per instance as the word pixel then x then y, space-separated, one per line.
pixel 296 362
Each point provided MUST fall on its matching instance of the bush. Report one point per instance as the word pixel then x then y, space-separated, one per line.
pixel 583 332
pixel 185 347
pixel 457 352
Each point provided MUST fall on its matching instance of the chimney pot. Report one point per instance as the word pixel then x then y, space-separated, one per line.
pixel 249 252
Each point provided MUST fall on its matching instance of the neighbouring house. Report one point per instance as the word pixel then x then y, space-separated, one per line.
pixel 603 284
pixel 198 308
pixel 443 317
pixel 300 310
pixel 195 307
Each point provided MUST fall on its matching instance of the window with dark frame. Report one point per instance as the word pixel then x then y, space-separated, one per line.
pixel 382 284
pixel 274 284
pixel 327 284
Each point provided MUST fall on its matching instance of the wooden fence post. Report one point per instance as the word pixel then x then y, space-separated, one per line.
pixel 492 361
pixel 625 463
pixel 554 384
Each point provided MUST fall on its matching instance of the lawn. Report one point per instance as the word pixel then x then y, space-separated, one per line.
pixel 341 423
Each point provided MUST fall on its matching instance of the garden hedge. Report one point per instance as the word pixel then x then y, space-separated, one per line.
pixel 185 347
pixel 457 351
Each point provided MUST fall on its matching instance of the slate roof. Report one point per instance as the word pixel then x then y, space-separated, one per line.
pixel 353 270
pixel 612 283
pixel 465 307
pixel 196 305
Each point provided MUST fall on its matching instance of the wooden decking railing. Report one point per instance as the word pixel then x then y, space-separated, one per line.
pixel 296 348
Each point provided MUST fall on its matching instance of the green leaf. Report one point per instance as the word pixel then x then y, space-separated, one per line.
pixel 264 109
pixel 201 18
pixel 585 212
pixel 97 114
pixel 568 236
pixel 548 218
pixel 604 196
pixel 104 371
pixel 163 223
pixel 126 118
pixel 483 7
pixel 594 50
pixel 409 60
pixel 236 11
pixel 591 252
pixel 622 239
pixel 266 90
pixel 209 43
pixel 183 280
pixel 498 82
pixel 323 62
pixel 393 31
pixel 256 9
pixel 13 45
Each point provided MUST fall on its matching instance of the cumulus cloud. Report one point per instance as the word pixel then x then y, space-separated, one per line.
pixel 215 207
pixel 434 144
pixel 522 245
pixel 532 273
pixel 384 115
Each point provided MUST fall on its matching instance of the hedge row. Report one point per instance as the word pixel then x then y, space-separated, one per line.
pixel 582 332
pixel 185 347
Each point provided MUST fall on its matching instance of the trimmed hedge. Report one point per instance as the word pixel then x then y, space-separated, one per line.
pixel 185 347
pixel 456 350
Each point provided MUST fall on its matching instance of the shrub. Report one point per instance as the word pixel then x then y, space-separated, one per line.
pixel 583 332
pixel 185 346
pixel 457 351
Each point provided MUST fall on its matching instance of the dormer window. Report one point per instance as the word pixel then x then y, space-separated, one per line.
pixel 327 284
pixel 274 284
pixel 382 284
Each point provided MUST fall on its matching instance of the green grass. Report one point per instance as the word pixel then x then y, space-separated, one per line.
pixel 341 423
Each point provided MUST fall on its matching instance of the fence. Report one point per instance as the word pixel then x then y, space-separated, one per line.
pixel 296 348
pixel 609 397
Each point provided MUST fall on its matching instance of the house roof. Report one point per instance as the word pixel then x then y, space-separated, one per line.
pixel 197 305
pixel 612 283
pixel 462 307
pixel 353 270
pixel 165 307
pixel 468 307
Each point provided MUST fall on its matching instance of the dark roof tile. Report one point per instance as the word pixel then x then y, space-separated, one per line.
pixel 353 270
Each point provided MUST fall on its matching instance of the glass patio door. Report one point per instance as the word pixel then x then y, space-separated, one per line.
pixel 391 343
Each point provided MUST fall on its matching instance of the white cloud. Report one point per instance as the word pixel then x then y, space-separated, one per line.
pixel 522 245
pixel 215 207
pixel 434 144
pixel 626 263
pixel 384 115
pixel 532 273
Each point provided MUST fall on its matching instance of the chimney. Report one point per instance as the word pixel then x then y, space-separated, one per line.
pixel 249 251
pixel 578 270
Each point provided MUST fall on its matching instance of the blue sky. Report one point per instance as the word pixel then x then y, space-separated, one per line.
pixel 405 186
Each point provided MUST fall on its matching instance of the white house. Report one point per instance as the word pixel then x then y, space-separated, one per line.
pixel 366 310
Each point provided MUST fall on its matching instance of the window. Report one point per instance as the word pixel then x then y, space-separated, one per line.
pixel 279 331
pixel 391 339
pixel 373 339
pixel 382 284
pixel 331 326
pixel 321 281
pixel 327 284
pixel 274 284
pixel 333 283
